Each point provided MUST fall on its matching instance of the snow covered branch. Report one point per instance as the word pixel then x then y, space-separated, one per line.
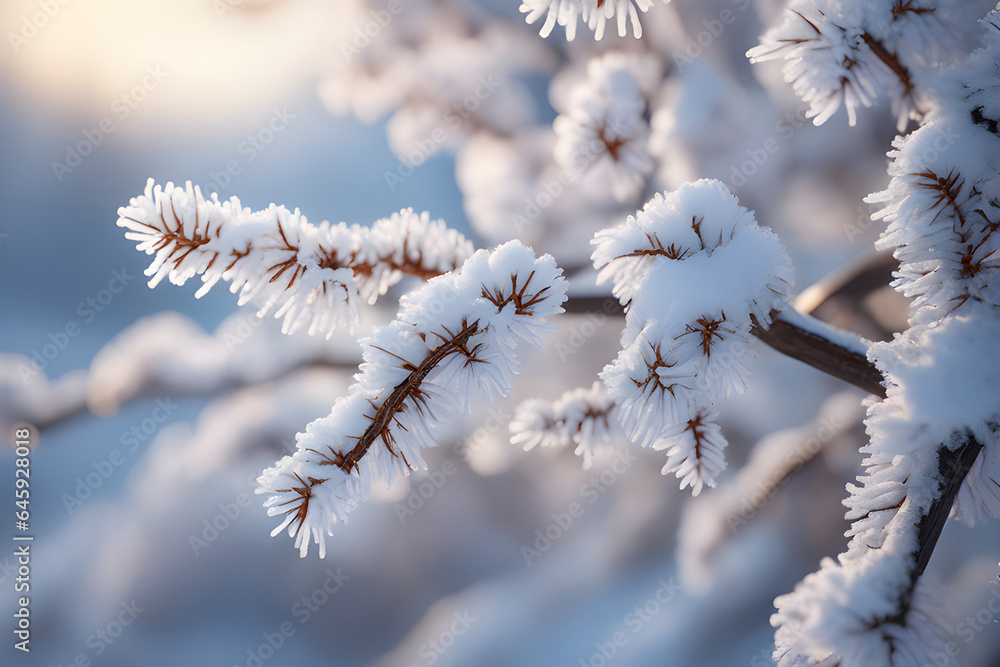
pixel 871 605
pixel 795 334
pixel 837 353
pixel 604 133
pixel 310 274
pixel 696 274
pixel 847 51
pixel 954 466
pixel 934 433
pixel 584 417
pixel 693 274
pixel 821 346
pixel 452 339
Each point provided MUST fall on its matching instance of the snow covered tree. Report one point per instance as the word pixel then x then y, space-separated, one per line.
pixel 697 278
pixel 630 198
pixel 933 434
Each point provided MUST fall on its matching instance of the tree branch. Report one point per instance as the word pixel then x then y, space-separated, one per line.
pixel 821 353
pixel 954 466
pixel 835 352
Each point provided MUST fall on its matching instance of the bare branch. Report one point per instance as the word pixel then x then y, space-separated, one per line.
pixel 822 354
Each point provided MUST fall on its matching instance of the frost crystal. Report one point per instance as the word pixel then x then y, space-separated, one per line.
pixel 563 12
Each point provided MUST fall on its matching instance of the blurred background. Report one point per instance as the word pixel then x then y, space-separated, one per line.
pixel 152 412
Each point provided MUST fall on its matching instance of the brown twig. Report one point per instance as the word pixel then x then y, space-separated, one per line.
pixel 789 339
pixel 826 355
pixel 822 354
pixel 954 466
pixel 410 391
pixel 890 60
